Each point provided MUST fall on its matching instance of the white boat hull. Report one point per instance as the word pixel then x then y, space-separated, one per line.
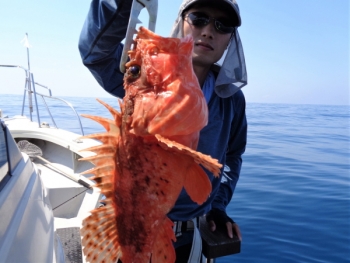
pixel 40 200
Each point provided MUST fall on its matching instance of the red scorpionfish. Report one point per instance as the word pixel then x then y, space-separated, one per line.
pixel 148 154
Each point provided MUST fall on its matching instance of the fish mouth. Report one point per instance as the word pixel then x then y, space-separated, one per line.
pixel 206 45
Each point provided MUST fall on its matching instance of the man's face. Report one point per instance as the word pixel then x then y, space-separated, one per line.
pixel 209 44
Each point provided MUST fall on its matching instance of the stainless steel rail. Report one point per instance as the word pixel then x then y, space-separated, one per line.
pixel 30 89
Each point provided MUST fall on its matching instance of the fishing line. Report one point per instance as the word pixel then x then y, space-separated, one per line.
pixel 70 199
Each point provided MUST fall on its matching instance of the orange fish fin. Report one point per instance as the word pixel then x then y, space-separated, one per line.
pixel 100 158
pixel 197 184
pixel 103 148
pixel 163 250
pixel 108 124
pixel 208 162
pixel 105 172
pixel 99 230
pixel 103 137
pixel 111 125
pixel 116 115
pixel 100 235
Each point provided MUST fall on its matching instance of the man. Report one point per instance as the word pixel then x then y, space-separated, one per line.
pixel 213 26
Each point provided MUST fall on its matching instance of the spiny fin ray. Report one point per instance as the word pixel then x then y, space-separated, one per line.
pixel 208 162
pixel 108 124
pixel 116 115
pixel 100 235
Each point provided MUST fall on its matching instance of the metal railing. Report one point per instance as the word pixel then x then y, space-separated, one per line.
pixel 30 89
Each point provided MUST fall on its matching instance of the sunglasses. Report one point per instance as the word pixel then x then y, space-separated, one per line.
pixel 199 19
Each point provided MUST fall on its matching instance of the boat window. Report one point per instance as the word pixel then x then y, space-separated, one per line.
pixel 4 168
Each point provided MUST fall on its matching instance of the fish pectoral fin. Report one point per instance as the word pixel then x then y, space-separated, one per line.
pixel 163 250
pixel 207 161
pixel 197 184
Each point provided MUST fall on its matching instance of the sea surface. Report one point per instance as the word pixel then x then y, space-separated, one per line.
pixel 292 201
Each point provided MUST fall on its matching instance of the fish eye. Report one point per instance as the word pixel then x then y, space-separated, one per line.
pixel 134 71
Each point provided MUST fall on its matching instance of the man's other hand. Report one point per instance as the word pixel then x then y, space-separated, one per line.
pixel 217 217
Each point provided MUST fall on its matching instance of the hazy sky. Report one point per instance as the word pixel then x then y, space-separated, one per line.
pixel 296 51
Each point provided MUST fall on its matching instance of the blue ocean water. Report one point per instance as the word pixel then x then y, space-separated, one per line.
pixel 292 201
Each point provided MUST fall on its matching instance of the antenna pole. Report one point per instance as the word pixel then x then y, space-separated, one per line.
pixel 29 82
pixel 28 52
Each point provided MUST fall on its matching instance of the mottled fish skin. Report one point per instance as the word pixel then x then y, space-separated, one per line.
pixel 148 154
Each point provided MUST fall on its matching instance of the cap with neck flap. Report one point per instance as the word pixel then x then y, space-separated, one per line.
pixel 232 74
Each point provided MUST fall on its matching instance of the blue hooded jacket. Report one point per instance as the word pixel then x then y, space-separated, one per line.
pixel 224 138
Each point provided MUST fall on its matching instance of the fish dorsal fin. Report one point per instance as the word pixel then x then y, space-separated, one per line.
pixel 99 229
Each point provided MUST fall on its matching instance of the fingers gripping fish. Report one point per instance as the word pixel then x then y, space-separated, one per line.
pixel 148 155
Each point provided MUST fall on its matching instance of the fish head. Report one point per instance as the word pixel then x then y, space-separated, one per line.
pixel 162 93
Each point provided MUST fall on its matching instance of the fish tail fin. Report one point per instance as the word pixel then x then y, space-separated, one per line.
pixel 163 250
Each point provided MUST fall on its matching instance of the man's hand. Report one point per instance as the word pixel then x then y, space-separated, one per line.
pixel 217 217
